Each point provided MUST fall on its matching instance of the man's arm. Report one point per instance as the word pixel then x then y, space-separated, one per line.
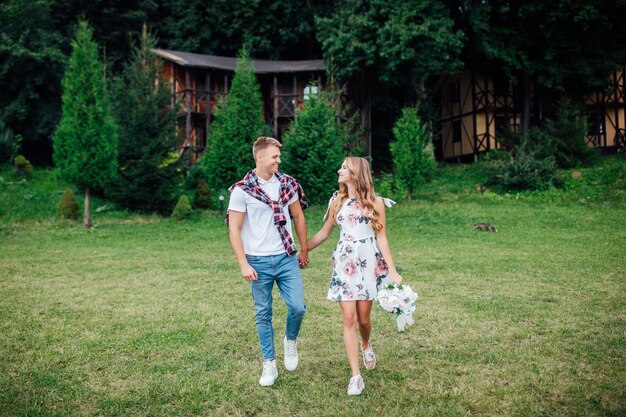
pixel 235 224
pixel 297 214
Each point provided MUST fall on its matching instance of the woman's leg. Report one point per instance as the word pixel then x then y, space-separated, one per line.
pixel 363 310
pixel 350 338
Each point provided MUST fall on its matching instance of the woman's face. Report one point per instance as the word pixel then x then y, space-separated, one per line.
pixel 345 176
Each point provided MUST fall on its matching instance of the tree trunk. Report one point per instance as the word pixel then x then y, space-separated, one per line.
pixel 86 217
pixel 526 103
pixel 409 194
pixel 420 91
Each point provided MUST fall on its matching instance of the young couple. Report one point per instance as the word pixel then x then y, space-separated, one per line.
pixel 260 211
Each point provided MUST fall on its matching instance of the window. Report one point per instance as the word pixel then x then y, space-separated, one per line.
pixel 595 123
pixel 456 131
pixel 500 86
pixel 454 91
pixel 502 124
pixel 310 90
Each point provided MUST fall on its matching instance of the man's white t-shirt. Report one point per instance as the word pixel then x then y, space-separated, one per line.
pixel 259 233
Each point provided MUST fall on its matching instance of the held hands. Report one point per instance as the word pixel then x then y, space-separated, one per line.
pixel 303 258
pixel 249 273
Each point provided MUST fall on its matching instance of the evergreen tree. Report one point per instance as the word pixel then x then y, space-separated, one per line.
pixel 68 206
pixel 237 124
pixel 150 172
pixel 85 142
pixel 183 209
pixel 568 132
pixel 315 146
pixel 412 151
pixel 202 197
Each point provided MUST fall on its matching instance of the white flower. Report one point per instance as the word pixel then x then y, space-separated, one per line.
pixel 399 300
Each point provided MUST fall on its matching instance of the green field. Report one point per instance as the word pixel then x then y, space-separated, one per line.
pixel 146 316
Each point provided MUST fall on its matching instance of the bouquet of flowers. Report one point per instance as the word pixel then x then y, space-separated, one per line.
pixel 399 300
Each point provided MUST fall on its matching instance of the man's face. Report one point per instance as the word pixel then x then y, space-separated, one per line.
pixel 268 159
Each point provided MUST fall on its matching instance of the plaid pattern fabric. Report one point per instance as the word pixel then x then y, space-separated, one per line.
pixel 289 187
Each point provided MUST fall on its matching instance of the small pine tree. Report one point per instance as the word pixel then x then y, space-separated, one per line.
pixel 68 207
pixel 183 209
pixel 85 142
pixel 150 172
pixel 315 146
pixel 238 122
pixel 412 151
pixel 22 166
pixel 202 198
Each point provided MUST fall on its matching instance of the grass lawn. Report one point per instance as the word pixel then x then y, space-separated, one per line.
pixel 145 316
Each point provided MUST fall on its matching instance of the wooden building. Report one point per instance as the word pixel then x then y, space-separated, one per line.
pixel 476 105
pixel 199 80
pixel 606 113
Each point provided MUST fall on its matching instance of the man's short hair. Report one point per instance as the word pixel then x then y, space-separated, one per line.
pixel 264 142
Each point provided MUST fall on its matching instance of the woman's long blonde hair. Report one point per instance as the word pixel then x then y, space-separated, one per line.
pixel 362 177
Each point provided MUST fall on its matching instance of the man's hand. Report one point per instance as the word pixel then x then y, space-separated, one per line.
pixel 249 273
pixel 303 258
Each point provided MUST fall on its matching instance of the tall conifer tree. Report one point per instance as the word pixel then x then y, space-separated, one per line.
pixel 317 143
pixel 85 142
pixel 238 122
pixel 150 172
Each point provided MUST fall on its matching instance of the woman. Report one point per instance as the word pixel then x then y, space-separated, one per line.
pixel 361 261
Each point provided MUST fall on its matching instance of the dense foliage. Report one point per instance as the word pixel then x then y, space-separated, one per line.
pixel 412 150
pixel 520 170
pixel 237 124
pixel 414 38
pixel 561 45
pixel 150 172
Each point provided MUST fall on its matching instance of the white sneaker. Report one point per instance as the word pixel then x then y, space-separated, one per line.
pixel 291 354
pixel 356 385
pixel 369 358
pixel 270 373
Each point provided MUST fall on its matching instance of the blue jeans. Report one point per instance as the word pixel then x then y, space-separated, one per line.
pixel 285 271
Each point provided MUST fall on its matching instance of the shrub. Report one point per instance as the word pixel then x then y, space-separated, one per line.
pixel 183 209
pixel 519 171
pixel 561 138
pixel 68 207
pixel 22 166
pixel 412 151
pixel 202 198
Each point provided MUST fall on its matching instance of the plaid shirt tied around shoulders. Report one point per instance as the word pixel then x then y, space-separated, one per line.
pixel 289 187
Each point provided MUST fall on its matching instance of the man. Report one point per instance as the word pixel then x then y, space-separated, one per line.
pixel 259 215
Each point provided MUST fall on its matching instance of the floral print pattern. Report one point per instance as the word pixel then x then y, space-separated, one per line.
pixel 358 266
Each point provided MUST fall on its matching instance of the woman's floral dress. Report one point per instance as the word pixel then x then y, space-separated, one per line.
pixel 358 266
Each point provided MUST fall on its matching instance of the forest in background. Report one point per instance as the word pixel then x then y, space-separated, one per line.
pixel 564 45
